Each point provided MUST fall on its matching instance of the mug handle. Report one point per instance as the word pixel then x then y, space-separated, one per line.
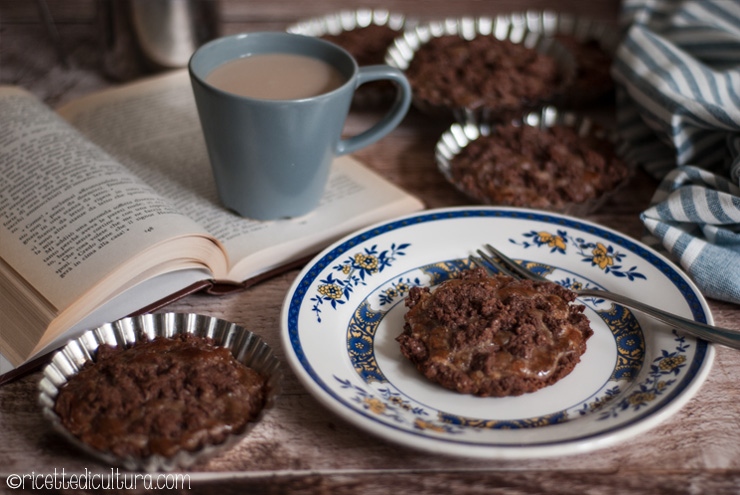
pixel 391 119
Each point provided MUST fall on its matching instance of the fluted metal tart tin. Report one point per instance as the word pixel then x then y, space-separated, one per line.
pixel 347 20
pixel 247 347
pixel 401 53
pixel 583 29
pixel 551 23
pixel 336 23
pixel 461 134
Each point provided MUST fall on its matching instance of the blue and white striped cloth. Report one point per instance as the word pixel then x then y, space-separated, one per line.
pixel 678 108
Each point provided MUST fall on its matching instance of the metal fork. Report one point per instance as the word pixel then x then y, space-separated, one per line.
pixel 724 336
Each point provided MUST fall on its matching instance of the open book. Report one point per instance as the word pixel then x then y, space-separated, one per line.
pixel 108 206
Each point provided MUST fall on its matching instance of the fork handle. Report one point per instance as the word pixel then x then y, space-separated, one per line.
pixel 724 336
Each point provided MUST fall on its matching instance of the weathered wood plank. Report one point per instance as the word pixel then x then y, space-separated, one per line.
pixel 302 448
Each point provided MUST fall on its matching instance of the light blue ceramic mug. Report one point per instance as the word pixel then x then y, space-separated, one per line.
pixel 271 157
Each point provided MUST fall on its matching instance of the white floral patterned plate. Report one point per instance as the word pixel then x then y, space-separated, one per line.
pixel 344 311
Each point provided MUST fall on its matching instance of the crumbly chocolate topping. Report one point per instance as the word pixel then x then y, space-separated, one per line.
pixel 484 72
pixel 494 335
pixel 160 397
pixel 539 168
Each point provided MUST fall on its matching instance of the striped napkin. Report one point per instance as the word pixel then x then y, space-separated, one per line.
pixel 678 108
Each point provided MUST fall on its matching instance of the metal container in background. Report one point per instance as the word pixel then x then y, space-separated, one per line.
pixel 146 36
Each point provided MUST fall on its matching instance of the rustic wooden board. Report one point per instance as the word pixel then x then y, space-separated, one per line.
pixel 302 448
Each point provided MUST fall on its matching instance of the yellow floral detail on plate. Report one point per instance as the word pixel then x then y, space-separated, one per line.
pixel 605 257
pixel 552 240
pixel 671 363
pixel 427 425
pixel 367 262
pixel 601 256
pixel 375 405
pixel 332 291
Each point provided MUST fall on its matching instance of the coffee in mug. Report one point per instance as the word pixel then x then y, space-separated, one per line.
pixel 276 76
pixel 272 128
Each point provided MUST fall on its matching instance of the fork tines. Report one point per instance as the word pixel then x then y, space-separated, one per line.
pixel 504 264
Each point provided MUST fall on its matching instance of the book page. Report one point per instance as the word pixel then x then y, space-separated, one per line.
pixel 153 128
pixel 69 213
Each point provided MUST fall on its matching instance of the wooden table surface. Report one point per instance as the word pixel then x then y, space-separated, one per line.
pixel 300 447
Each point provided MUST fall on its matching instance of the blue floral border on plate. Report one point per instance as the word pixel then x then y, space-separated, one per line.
pixel 330 257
